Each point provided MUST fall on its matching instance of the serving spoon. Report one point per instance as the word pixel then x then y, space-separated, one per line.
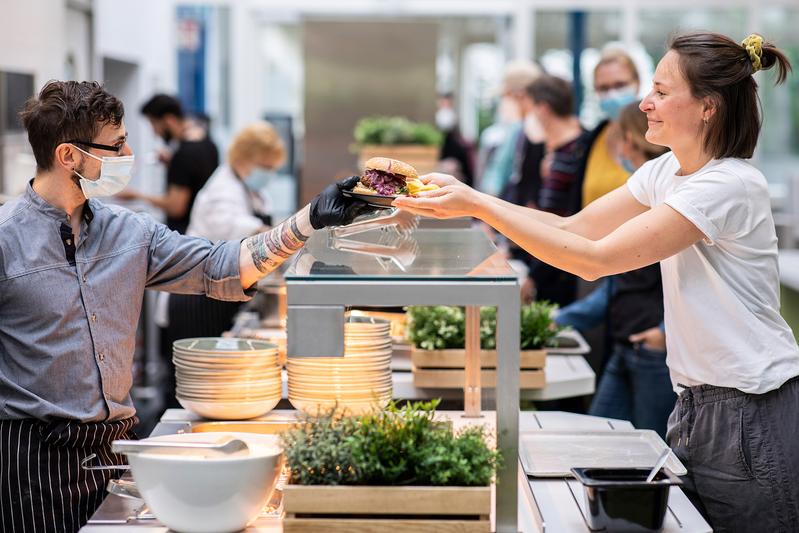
pixel 224 446
pixel 658 465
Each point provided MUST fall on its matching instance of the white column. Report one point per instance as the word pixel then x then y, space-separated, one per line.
pixel 629 27
pixel 244 59
pixel 523 30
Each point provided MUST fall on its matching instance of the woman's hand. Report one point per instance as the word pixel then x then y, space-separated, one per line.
pixel 651 339
pixel 452 199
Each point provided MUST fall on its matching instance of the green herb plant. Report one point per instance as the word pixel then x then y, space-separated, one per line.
pixel 397 446
pixel 395 130
pixel 443 327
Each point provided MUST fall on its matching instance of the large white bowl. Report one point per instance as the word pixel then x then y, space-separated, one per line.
pixel 192 493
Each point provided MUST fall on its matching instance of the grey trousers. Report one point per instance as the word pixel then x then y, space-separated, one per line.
pixel 742 455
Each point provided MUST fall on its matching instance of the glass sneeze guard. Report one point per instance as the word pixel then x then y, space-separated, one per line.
pixel 378 254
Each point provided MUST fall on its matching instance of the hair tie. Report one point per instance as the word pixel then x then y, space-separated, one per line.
pixel 754 47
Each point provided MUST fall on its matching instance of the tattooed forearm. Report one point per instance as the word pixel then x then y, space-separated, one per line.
pixel 268 250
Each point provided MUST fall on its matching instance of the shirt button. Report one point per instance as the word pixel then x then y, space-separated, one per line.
pixel 69 242
pixel 101 356
pixel 94 317
pixel 84 278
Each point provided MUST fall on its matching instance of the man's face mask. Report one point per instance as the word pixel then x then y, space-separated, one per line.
pixel 114 176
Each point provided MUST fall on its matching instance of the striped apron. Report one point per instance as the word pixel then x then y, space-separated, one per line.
pixel 42 485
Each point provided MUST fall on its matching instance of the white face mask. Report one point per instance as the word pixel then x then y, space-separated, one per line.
pixel 258 178
pixel 114 176
pixel 446 118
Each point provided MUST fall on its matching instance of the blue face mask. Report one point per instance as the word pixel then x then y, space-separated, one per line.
pixel 612 102
pixel 627 165
pixel 258 178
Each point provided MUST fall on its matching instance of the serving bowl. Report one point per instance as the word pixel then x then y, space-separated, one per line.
pixel 199 493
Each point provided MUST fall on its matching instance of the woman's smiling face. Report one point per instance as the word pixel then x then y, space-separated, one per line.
pixel 674 116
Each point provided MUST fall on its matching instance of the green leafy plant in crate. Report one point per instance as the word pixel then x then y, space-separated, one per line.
pixel 395 130
pixel 443 327
pixel 397 446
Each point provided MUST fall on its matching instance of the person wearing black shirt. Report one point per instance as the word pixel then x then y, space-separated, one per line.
pixel 565 147
pixel 634 384
pixel 189 166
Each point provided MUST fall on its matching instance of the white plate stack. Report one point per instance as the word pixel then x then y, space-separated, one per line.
pixel 358 382
pixel 227 378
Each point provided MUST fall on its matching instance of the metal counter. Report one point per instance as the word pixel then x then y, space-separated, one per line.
pixel 385 267
pixel 545 505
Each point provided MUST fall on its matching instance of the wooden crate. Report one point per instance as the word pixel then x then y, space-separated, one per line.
pixel 444 369
pixel 528 359
pixel 451 378
pixel 421 157
pixel 408 509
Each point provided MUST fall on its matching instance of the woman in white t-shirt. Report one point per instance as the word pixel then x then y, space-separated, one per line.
pixel 703 212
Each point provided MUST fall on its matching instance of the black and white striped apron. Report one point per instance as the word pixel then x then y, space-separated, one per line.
pixel 42 485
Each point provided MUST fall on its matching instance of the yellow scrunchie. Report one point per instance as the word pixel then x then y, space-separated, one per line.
pixel 754 47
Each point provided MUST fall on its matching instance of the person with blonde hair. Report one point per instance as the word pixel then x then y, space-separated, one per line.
pixel 616 83
pixel 230 206
pixel 704 213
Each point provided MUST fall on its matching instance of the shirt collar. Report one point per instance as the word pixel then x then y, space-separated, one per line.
pixel 41 205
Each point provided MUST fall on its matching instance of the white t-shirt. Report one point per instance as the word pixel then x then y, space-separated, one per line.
pixel 223 209
pixel 721 295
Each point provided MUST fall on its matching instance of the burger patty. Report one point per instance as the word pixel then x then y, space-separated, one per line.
pixel 384 183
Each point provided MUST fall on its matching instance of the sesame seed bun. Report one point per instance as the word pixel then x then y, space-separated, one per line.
pixel 393 166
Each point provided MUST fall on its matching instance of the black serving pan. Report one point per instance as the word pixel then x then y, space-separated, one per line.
pixel 620 499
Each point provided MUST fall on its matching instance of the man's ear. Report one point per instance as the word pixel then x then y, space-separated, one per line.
pixel 67 157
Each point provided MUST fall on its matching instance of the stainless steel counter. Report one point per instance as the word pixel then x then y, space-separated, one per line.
pixel 545 505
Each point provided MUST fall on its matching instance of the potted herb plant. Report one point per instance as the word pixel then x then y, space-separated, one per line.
pixel 396 470
pixel 416 143
pixel 437 335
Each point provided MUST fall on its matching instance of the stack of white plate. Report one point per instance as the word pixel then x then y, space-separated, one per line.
pixel 227 378
pixel 358 382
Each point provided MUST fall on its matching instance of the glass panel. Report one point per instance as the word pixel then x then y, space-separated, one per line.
pixel 437 254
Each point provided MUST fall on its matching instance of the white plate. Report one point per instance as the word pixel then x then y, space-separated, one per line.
pixel 229 410
pixel 222 344
pixel 355 408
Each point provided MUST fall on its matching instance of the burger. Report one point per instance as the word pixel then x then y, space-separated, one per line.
pixel 390 177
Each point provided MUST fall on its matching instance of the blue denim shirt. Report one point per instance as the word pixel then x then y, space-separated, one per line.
pixel 69 311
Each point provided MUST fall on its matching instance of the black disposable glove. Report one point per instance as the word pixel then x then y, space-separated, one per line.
pixel 331 208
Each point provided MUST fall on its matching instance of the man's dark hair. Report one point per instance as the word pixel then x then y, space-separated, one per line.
pixel 161 105
pixel 66 111
pixel 554 92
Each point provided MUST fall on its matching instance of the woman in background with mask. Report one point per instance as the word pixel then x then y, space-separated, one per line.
pixel 230 206
pixel 616 82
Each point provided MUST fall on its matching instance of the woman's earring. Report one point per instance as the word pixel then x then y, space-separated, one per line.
pixel 704 119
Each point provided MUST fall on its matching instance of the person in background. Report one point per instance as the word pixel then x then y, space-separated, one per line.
pixel 229 207
pixel 513 172
pixel 704 212
pixel 635 383
pixel 188 168
pixel 73 271
pixel 455 149
pixel 552 104
pixel 616 82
